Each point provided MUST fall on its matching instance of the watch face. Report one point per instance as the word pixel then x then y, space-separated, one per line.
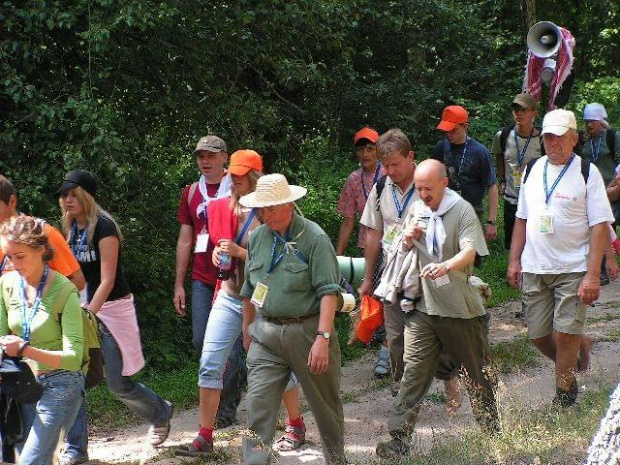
pixel 324 334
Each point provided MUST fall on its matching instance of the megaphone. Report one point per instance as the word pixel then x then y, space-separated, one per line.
pixel 544 39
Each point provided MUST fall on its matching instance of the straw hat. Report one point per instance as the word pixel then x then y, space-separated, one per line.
pixel 272 189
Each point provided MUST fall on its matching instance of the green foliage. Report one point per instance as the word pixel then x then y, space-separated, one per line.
pixel 126 88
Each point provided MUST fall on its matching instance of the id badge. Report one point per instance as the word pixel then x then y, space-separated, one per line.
pixel 546 223
pixel 516 176
pixel 259 295
pixel 389 235
pixel 202 240
pixel 442 281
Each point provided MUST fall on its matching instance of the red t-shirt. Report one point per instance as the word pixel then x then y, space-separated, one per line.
pixel 202 266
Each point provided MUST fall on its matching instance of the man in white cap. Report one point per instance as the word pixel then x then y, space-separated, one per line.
pixel 291 290
pixel 557 245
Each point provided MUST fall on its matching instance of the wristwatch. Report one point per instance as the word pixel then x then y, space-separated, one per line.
pixel 492 222
pixel 324 334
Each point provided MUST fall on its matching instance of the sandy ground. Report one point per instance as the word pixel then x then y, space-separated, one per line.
pixel 367 403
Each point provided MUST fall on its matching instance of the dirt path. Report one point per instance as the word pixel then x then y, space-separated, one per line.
pixel 367 402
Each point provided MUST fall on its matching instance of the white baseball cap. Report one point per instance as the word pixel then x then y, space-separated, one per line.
pixel 558 122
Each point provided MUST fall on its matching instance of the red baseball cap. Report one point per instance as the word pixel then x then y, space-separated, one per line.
pixel 242 161
pixel 452 116
pixel 366 133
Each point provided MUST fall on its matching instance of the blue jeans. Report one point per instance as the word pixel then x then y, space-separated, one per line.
pixel 136 396
pixel 202 301
pixel 56 410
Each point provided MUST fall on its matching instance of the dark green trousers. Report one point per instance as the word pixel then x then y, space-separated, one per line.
pixel 463 342
pixel 276 350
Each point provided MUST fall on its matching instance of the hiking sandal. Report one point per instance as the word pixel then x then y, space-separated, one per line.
pixel 157 435
pixel 292 439
pixel 199 447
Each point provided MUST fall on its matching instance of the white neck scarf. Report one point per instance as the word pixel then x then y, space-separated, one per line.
pixel 222 191
pixel 435 232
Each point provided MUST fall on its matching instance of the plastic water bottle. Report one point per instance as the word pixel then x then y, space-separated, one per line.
pixel 223 270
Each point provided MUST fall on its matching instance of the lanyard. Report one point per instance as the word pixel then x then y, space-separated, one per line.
pixel 557 180
pixel 246 225
pixel 75 239
pixel 3 264
pixel 275 261
pixel 374 180
pixel 521 154
pixel 463 156
pixel 596 153
pixel 400 209
pixel 27 318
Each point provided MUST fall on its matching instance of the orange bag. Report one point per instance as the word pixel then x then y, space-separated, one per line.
pixel 371 317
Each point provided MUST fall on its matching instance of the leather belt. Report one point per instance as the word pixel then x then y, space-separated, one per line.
pixel 289 321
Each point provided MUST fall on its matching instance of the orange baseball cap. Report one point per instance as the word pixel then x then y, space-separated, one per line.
pixel 366 133
pixel 242 161
pixel 452 116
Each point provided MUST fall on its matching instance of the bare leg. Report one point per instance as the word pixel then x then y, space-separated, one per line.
pixel 454 398
pixel 566 359
pixel 546 345
pixel 584 352
pixel 291 403
pixel 209 402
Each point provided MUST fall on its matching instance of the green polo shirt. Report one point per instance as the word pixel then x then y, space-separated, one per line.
pixel 46 331
pixel 298 282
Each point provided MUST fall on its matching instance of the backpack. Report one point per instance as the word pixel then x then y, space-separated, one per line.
pixel 380 186
pixel 610 138
pixel 503 137
pixel 585 169
pixel 92 357
pixel 192 192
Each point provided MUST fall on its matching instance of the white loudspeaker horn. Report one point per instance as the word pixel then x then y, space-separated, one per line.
pixel 544 39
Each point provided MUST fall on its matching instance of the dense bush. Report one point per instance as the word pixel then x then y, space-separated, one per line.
pixel 126 88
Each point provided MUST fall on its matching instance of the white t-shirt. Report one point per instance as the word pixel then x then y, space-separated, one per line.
pixel 387 215
pixel 573 211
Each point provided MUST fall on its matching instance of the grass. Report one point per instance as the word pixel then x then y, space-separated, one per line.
pixel 180 387
pixel 514 355
pixel 541 436
pixel 612 336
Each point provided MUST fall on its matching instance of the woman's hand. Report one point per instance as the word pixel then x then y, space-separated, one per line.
pixel 11 344
pixel 229 247
pixel 215 257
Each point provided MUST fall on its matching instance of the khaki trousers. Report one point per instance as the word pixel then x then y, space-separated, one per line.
pixel 464 342
pixel 275 351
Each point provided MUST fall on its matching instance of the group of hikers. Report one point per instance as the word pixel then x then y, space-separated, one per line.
pixel 266 280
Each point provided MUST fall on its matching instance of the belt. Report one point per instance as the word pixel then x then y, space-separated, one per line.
pixel 288 321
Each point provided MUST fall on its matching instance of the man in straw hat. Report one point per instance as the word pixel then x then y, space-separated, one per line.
pixel 290 296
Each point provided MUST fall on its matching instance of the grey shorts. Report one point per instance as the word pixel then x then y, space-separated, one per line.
pixel 553 304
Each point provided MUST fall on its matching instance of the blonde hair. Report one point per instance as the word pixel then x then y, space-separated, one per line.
pixel 28 231
pixel 253 175
pixel 92 211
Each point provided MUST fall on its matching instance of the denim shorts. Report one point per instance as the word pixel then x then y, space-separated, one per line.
pixel 223 330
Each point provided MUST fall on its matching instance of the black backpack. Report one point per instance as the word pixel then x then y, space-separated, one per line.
pixel 503 137
pixel 585 169
pixel 610 138
pixel 380 186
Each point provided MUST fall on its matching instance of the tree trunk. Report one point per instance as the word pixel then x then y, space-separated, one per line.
pixel 528 14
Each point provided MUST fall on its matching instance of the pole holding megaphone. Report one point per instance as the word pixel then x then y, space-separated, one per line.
pixel 550 60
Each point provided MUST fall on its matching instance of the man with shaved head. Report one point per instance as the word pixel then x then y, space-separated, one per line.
pixel 450 317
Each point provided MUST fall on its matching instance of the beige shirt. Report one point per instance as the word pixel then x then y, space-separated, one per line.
pixel 387 215
pixel 458 298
